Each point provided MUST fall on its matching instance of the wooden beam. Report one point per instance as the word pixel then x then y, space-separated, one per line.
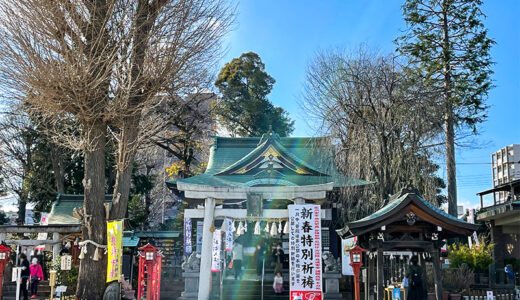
pixel 380 275
pixel 437 273
pixel 400 244
pixel 32 242
pixel 69 228
pixel 428 218
pixel 242 213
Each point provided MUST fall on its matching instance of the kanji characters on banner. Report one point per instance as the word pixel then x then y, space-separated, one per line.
pixel 229 235
pixel 188 249
pixel 305 272
pixel 200 226
pixel 215 251
pixel 346 245
pixel 115 249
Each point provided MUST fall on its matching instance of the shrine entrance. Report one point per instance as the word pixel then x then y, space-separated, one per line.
pixel 251 181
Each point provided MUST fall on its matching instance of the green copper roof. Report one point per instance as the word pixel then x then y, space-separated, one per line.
pixel 271 160
pixel 401 200
pixel 63 207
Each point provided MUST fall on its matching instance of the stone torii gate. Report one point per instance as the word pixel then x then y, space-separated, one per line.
pixel 273 168
pixel 209 212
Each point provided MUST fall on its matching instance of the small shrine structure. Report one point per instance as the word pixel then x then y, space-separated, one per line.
pixel 407 223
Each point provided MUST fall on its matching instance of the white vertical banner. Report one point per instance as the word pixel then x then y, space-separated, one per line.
pixel 43 222
pixel 229 235
pixel 305 272
pixel 346 245
pixel 215 251
pixel 471 219
pixel 200 226
pixel 42 235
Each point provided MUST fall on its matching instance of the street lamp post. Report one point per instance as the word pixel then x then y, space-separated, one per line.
pixel 4 259
pixel 356 261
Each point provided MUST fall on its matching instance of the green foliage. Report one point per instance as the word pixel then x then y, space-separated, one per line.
pixel 478 260
pixel 448 44
pixel 3 218
pixel 142 184
pixel 137 211
pixel 245 109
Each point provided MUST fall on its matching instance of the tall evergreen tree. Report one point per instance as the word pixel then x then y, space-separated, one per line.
pixel 245 109
pixel 449 45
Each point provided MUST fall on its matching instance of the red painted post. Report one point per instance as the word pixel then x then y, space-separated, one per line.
pixel 4 259
pixel 149 279
pixel 356 261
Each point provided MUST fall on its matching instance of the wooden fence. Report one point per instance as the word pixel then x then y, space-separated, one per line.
pixel 508 294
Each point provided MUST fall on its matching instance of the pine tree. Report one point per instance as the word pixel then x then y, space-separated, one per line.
pixel 245 109
pixel 447 41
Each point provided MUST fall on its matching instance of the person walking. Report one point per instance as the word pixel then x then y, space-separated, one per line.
pixel 238 256
pixel 25 273
pixel 36 276
pixel 260 256
pixel 278 284
pixel 278 257
pixel 415 283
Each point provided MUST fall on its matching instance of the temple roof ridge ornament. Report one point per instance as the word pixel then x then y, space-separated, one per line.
pixel 298 166
pixel 270 153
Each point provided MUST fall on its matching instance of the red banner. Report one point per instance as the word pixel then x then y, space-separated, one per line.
pixel 306 295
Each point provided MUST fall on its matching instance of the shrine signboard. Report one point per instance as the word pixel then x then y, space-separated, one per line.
pixel 305 271
pixel 254 205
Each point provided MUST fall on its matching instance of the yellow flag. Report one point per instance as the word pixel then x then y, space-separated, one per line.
pixel 115 249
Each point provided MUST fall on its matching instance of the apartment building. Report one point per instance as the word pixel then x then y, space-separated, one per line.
pixel 506 167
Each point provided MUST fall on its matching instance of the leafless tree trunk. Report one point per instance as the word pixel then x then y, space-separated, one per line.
pixel 449 131
pixel 58 168
pixel 100 64
pixel 93 273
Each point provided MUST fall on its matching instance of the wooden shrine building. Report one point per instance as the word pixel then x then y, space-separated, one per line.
pixel 407 223
pixel 246 177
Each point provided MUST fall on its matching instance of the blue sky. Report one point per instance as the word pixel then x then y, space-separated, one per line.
pixel 287 34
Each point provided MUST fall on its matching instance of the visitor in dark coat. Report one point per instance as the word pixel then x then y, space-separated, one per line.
pixel 25 273
pixel 415 284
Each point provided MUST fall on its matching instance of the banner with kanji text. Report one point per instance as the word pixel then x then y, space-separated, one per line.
pixel 305 271
pixel 215 251
pixel 115 249
pixel 188 249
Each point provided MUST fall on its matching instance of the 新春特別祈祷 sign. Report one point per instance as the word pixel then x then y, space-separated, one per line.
pixel 305 272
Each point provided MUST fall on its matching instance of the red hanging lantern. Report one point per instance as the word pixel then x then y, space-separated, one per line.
pixel 4 259
pixel 356 261
pixel 149 280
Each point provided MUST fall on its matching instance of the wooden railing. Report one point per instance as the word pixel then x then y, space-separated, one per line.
pixel 508 294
